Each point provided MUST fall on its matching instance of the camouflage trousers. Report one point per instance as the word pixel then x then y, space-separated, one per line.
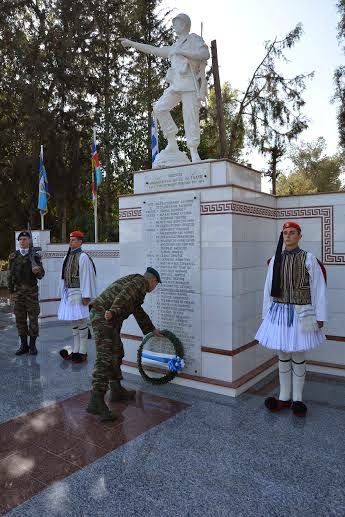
pixel 26 306
pixel 109 351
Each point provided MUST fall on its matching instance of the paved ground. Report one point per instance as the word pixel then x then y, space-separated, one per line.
pixel 213 456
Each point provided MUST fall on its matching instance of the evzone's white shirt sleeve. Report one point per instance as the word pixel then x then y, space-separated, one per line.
pixel 317 287
pixel 87 277
pixel 267 301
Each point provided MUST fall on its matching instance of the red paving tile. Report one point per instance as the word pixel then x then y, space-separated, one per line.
pixel 17 490
pixel 83 454
pixel 52 443
pixel 38 463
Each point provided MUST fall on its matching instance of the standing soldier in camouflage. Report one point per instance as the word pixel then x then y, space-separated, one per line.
pixel 25 268
pixel 121 299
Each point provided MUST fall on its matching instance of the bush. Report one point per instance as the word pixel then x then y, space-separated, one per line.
pixel 3 265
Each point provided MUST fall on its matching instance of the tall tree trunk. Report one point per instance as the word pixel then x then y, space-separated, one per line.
pixel 149 86
pixel 107 202
pixel 274 170
pixel 64 223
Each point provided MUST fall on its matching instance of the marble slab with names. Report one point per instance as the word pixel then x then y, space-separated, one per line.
pixel 172 245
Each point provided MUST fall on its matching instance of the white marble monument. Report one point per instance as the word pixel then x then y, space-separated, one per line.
pixel 209 230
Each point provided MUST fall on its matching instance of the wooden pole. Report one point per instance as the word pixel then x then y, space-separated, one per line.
pixel 219 102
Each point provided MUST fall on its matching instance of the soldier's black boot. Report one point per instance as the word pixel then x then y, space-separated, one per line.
pixel 119 393
pixel 97 406
pixel 32 345
pixel 23 349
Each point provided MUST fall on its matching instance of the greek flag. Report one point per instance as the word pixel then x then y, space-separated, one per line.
pixel 154 139
pixel 43 191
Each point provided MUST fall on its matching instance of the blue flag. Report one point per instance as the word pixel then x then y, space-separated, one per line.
pixel 43 192
pixel 154 140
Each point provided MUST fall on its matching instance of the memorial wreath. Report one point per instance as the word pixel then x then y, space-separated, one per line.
pixel 175 363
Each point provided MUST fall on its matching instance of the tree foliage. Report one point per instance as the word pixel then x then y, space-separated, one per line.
pixel 313 171
pixel 270 109
pixel 339 77
pixel 64 72
pixel 209 146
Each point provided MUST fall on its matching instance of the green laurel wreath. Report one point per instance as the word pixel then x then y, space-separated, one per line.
pixel 178 347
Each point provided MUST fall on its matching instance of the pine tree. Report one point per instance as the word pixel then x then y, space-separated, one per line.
pixel 270 109
pixel 339 77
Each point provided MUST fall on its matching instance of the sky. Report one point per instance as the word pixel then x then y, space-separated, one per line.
pixel 241 27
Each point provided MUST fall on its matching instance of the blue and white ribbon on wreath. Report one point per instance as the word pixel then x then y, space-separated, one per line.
pixel 175 364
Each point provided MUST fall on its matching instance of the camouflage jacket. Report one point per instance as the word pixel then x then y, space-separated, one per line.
pixel 21 270
pixel 124 297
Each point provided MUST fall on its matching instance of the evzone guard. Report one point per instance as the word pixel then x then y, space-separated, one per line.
pixel 294 312
pixel 78 289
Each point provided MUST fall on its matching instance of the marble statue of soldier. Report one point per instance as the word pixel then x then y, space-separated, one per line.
pixel 187 84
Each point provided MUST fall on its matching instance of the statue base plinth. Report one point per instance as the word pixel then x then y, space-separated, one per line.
pixel 168 158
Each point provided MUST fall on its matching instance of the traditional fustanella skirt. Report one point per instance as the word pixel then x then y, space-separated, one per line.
pixel 282 329
pixel 71 308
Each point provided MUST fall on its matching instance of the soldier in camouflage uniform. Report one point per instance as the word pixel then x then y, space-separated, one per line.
pixel 109 310
pixel 25 268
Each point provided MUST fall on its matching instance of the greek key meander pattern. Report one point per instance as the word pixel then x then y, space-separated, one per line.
pixel 92 253
pixel 324 213
pixel 130 213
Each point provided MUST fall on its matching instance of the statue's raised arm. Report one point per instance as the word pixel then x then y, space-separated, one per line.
pixel 148 49
pixel 187 84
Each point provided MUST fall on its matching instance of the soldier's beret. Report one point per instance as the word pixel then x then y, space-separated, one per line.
pixel 291 224
pixel 23 234
pixel 155 273
pixel 77 234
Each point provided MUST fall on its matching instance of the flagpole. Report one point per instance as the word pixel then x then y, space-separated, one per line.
pixel 156 126
pixel 95 215
pixel 95 218
pixel 41 211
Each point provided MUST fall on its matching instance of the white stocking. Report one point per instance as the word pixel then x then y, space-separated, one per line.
pixel 285 376
pixel 298 375
pixel 83 335
pixel 76 339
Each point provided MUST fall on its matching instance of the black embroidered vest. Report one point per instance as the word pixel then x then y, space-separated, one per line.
pixel 295 286
pixel 71 270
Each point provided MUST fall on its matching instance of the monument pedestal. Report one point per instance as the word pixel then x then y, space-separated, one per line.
pixel 191 223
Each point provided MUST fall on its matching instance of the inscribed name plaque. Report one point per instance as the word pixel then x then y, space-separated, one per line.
pixel 172 245
pixel 178 178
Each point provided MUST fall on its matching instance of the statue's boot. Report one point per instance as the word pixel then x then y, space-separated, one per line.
pixel 172 146
pixel 194 154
